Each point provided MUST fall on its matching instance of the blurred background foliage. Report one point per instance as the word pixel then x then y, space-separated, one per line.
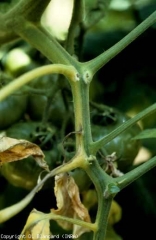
pixel 127 83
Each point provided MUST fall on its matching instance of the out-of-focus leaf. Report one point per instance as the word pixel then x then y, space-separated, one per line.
pixel 148 133
pixel 12 149
pixel 115 213
pixel 5 5
pixel 37 227
pixel 69 203
pixel 111 234
pixel 90 200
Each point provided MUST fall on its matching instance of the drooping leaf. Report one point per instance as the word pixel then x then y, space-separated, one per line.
pixel 148 133
pixel 37 227
pixel 69 203
pixel 12 149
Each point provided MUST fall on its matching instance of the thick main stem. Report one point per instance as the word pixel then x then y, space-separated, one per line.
pixel 80 91
pixel 101 180
pixel 102 220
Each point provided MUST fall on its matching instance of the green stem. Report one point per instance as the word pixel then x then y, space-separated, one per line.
pixel 94 147
pixel 68 71
pixel 131 176
pixel 95 64
pixel 102 218
pixel 28 9
pixel 88 225
pixel 6 36
pixel 80 91
pixel 77 17
pixel 22 8
pixel 96 13
pixel 41 40
pixel 51 216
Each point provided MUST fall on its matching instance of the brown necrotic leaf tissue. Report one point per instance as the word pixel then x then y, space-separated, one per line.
pixel 12 149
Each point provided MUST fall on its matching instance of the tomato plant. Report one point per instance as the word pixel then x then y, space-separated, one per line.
pixel 57 102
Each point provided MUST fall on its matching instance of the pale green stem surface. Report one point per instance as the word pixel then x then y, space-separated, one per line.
pixel 67 71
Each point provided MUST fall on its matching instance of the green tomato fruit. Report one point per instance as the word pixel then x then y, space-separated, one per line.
pixel 37 105
pixel 25 173
pixel 22 173
pixel 126 149
pixel 22 130
pixel 12 110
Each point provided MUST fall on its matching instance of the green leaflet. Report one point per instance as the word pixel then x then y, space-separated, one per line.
pixel 148 133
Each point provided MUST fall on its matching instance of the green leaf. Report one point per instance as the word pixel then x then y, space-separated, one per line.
pixel 148 133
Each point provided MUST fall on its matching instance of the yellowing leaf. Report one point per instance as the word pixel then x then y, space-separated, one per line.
pixel 37 227
pixel 90 198
pixel 115 213
pixel 111 234
pixel 13 150
pixel 69 203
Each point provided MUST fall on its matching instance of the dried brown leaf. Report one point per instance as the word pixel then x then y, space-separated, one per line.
pixel 14 149
pixel 69 203
pixel 37 227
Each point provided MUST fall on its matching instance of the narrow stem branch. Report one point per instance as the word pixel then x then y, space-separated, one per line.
pixel 95 64
pixel 41 40
pixel 28 9
pixel 22 8
pixel 52 216
pixel 96 13
pixel 131 176
pixel 67 71
pixel 76 19
pixel 91 226
pixel 94 147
